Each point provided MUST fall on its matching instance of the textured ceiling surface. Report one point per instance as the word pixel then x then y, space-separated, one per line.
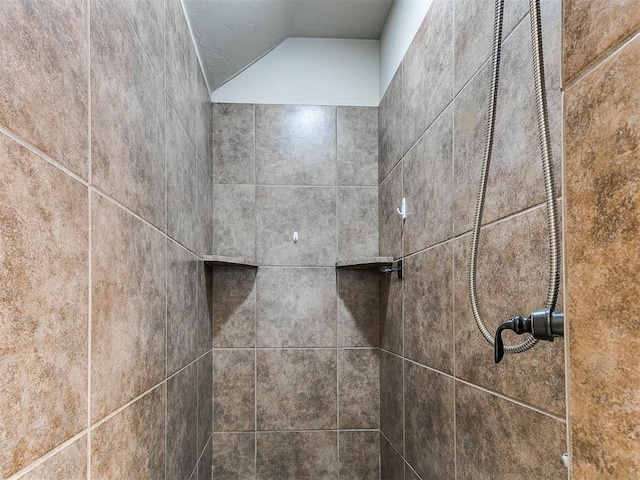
pixel 232 34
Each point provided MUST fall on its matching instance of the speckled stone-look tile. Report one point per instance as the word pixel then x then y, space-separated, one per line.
pixel 390 308
pixel 127 116
pixel 390 127
pixel 182 313
pixel 181 65
pixel 182 423
pixel 295 145
pixel 409 474
pixel 40 83
pixel 234 456
pixel 234 307
pixel 234 220
pixel 591 28
pixel 391 404
pixel 204 372
pixel 358 388
pixel 429 422
pixel 391 463
pixel 469 124
pixel 357 146
pixel 296 389
pixel 428 187
pixel 296 307
pixel 233 143
pixel 357 222
pixel 516 179
pixel 358 303
pixel 473 33
pixel 204 327
pixel 68 464
pixel 203 219
pixel 297 455
pixel 391 223
pixel 427 72
pixel 428 309
pixel 147 18
pixel 310 211
pixel 233 390
pixel 204 125
pixel 181 165
pixel 131 444
pixel 602 135
pixel 44 306
pixel 128 310
pixel 535 377
pixel 530 447
pixel 359 455
pixel 205 464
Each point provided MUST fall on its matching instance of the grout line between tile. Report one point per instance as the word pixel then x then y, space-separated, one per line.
pixel 90 239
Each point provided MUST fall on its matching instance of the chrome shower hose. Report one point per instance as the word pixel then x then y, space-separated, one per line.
pixel 549 181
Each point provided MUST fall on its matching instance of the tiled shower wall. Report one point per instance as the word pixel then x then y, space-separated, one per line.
pixel 602 138
pixel 447 411
pixel 295 342
pixel 105 198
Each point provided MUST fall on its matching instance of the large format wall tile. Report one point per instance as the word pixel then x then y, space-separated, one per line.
pixel 357 137
pixel 205 464
pixel 40 83
pixel 182 423
pixel 233 143
pixel 391 399
pixel 391 223
pixel 428 309
pixel 181 65
pixel 390 308
pixel 390 127
pixel 44 305
pixel 591 28
pixel 428 187
pixel 359 455
pixel 295 145
pixel 128 310
pixel 182 173
pixel 292 456
pixel 429 425
pixel 391 463
pixel 358 305
pixel 310 211
pixel 357 222
pixel 234 390
pixel 68 464
pixel 296 307
pixel 182 303
pixel 427 75
pixel 147 18
pixel 204 372
pixel 132 443
pixel 234 456
pixel 234 220
pixel 204 125
pixel 234 307
pixel 512 280
pixel 358 390
pixel 203 220
pixel 204 327
pixel 296 389
pixel 498 439
pixel 516 179
pixel 602 135
pixel 127 116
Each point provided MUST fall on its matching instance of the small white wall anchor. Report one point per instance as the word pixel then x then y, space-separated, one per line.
pixel 403 208
pixel 295 237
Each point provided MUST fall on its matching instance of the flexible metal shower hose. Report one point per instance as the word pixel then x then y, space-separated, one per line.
pixel 549 181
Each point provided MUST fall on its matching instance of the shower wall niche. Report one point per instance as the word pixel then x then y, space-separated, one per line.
pixel 295 341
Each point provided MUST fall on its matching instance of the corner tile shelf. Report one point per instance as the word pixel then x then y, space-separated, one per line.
pixel 224 261
pixel 365 263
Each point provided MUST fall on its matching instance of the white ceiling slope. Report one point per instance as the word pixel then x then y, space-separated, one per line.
pixel 232 34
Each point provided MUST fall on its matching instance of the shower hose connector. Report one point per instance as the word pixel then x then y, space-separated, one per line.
pixel 542 324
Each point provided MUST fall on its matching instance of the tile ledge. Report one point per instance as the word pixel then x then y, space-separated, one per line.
pixel 224 261
pixel 363 263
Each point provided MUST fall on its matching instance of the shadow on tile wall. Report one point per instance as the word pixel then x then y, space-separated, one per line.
pixel 106 322
pixel 446 410
pixel 295 342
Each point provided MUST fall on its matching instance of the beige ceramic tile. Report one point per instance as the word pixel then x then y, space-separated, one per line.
pixel 390 127
pixel 44 305
pixel 68 464
pixel 233 143
pixel 234 390
pixel 358 388
pixel 357 222
pixel 357 146
pixel 40 83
